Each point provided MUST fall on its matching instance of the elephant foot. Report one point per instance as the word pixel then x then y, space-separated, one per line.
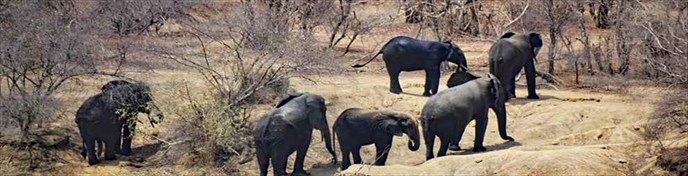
pixel 93 161
pixel 427 94
pixel 533 97
pixel 508 138
pixel 479 149
pixel 395 91
pixel 454 147
pixel 300 173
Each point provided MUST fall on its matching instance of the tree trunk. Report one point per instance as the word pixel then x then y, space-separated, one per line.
pixel 622 48
pixel 551 54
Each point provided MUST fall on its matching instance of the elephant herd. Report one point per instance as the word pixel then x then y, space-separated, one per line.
pixel 446 114
pixel 108 118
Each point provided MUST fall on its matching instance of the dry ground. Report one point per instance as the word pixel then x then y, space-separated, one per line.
pixel 568 131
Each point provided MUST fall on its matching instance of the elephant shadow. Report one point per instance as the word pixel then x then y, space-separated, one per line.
pixel 324 169
pixel 142 153
pixel 524 100
pixel 412 94
pixel 138 158
pixel 490 148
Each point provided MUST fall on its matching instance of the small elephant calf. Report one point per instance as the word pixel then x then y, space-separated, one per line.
pixel 357 127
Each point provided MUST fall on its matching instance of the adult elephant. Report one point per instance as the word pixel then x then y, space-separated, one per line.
pixel 287 129
pixel 447 114
pixel 403 53
pixel 512 53
pixel 357 127
pixel 103 117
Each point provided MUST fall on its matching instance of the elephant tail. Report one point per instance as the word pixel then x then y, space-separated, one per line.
pixel 376 54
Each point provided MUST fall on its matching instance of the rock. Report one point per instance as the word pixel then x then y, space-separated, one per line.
pixel 636 128
pixel 604 147
pixel 623 161
pixel 555 143
pixel 478 161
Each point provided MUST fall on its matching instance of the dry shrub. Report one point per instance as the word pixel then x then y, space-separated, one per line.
pixel 247 63
pixel 674 160
pixel 670 118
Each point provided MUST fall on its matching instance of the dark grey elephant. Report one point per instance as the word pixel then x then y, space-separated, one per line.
pixel 108 117
pixel 289 128
pixel 356 127
pixel 512 53
pixel 403 53
pixel 447 114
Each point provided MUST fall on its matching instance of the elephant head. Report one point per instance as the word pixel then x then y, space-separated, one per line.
pixel 459 77
pixel 133 98
pixel 456 55
pixel 397 123
pixel 535 43
pixel 315 110
pixel 533 39
pixel 497 101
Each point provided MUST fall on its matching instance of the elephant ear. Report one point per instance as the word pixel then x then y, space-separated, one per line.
pixel 507 35
pixel 494 86
pixel 535 40
pixel 391 125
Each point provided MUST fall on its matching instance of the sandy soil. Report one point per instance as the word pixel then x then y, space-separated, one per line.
pixel 565 132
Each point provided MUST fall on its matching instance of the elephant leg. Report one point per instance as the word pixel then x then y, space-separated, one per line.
pixel 356 152
pixel 111 147
pixel 435 80
pixel 279 161
pixel 530 77
pixel 444 144
pixel 512 89
pixel 454 145
pixel 432 79
pixel 382 149
pixel 394 85
pixel 127 135
pixel 263 160
pixel 90 147
pixel 346 152
pixel 480 128
pixel 429 143
pixel 301 155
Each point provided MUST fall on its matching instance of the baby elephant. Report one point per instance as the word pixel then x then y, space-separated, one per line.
pixel 356 127
pixel 447 114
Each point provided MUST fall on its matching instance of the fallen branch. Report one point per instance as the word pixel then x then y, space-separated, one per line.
pixel 548 77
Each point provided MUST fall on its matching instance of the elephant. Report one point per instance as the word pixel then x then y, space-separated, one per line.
pixel 403 53
pixel 289 128
pixel 109 116
pixel 357 127
pixel 511 53
pixel 447 114
pixel 459 77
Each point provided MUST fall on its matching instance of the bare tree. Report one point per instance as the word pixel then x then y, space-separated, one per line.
pixel 234 73
pixel 558 15
pixel 43 48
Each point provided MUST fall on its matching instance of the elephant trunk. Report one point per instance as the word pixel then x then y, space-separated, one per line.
pixel 325 132
pixel 501 121
pixel 414 137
